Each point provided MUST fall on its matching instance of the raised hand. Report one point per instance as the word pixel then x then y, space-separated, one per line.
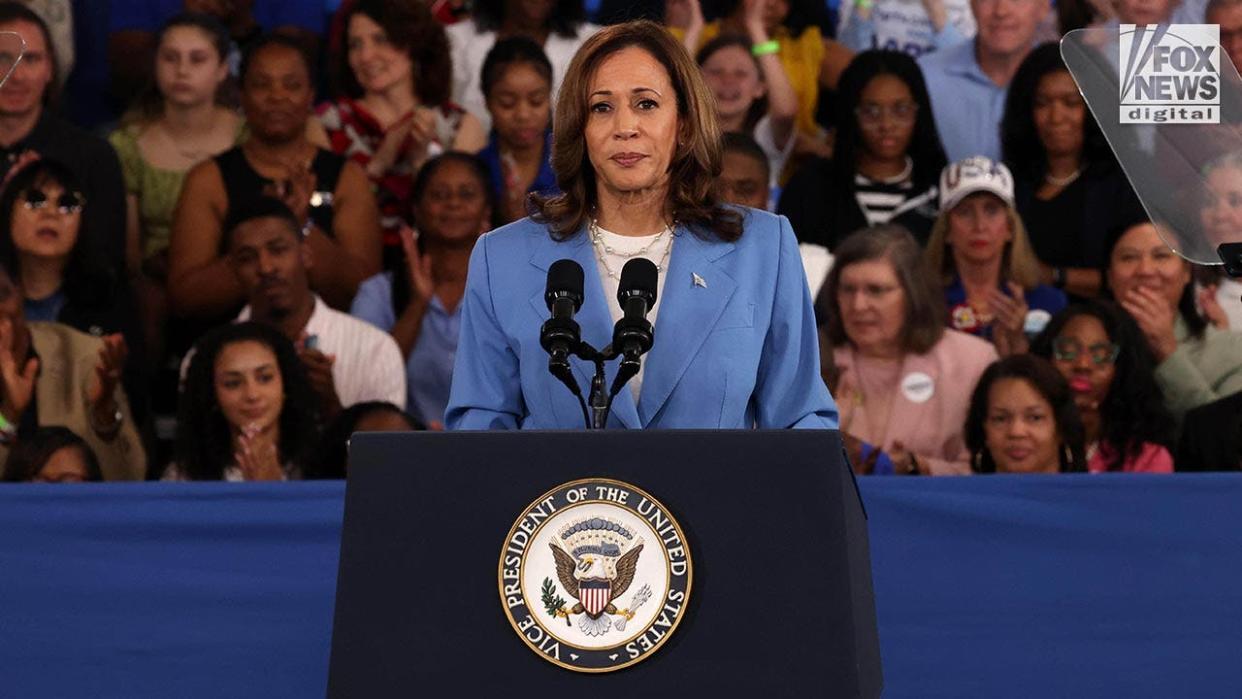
pixel 1009 320
pixel 1155 318
pixel 257 456
pixel 108 372
pixel 417 266
pixel 18 379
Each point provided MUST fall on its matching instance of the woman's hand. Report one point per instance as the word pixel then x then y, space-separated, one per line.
pixel 1155 317
pixel 417 266
pixel 18 380
pixel 295 190
pixel 904 463
pixel 1009 320
pixel 1211 307
pixel 257 456
pixel 100 394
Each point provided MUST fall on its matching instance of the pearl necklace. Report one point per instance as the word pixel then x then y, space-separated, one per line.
pixel 1062 181
pixel 602 249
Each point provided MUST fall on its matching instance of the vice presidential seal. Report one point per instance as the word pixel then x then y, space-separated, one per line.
pixel 595 575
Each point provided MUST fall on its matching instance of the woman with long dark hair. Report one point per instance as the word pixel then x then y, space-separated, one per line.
pixel 420 303
pixel 1068 187
pixel 1101 353
pixel 247 411
pixel 887 159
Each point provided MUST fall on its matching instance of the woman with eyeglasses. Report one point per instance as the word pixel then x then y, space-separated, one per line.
pixel 886 161
pixel 1101 353
pixel 903 379
pixel 63 277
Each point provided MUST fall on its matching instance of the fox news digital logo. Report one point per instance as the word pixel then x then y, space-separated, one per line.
pixel 1170 74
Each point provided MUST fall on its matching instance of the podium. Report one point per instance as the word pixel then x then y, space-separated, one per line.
pixel 781 602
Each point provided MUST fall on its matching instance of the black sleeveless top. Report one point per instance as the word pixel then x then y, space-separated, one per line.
pixel 241 182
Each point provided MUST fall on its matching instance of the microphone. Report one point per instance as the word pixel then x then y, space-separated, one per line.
pixel 560 335
pixel 632 336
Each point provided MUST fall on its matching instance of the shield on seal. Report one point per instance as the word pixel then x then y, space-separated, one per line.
pixel 594 594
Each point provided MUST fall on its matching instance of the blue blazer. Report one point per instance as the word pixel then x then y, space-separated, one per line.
pixel 740 351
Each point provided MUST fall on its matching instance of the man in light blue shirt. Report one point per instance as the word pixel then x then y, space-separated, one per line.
pixel 968 81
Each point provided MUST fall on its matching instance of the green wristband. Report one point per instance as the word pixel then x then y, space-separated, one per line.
pixel 768 47
pixel 864 4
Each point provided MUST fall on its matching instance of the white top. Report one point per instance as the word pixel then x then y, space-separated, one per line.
pixel 611 253
pixel 368 363
pixel 470 46
pixel 777 155
pixel 1229 296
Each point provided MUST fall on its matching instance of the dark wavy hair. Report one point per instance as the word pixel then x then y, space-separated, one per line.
pixel 88 281
pixel 19 12
pixel 149 104
pixel 565 19
pixel 1045 379
pixel 401 290
pixel 333 451
pixel 204 442
pixel 924 322
pixel 760 106
pixel 509 51
pixel 925 149
pixel 1023 151
pixel 411 28
pixel 1133 412
pixel 695 165
pixel 32 452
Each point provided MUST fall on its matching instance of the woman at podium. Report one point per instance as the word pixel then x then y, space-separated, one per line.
pixel 636 147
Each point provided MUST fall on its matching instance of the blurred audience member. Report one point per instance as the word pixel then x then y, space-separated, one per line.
pixel 346 360
pixel 517 84
pixel 248 412
pixel 330 197
pixel 1101 353
pixel 51 374
pixel 176 125
pixel 744 173
pixel 393 111
pixel 980 250
pixel 1228 14
pixel 1212 437
pixel 559 26
pixel 1069 189
pixel 1220 214
pixel 58 15
pixel 29 128
pixel 52 455
pixel 886 161
pixel 63 277
pixel 968 81
pixel 798 31
pixel 753 95
pixel 133 26
pixel 1196 363
pixel 903 377
pixel 372 416
pixel 1022 419
pixel 913 34
pixel 420 305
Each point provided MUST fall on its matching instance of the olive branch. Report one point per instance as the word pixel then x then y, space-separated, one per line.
pixel 552 602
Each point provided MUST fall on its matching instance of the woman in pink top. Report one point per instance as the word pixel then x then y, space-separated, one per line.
pixel 904 379
pixel 1110 369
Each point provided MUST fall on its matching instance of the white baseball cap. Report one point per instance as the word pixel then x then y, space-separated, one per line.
pixel 974 174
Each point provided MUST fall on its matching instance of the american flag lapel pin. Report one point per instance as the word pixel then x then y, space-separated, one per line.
pixel 698 281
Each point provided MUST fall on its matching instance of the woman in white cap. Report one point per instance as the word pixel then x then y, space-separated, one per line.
pixel 980 248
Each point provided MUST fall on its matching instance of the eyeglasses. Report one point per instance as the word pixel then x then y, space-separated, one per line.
pixel 872 114
pixel 66 203
pixel 1067 350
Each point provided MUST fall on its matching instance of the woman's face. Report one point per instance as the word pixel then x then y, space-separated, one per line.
pixel 1141 259
pixel 65 465
pixel 886 116
pixel 631 128
pixel 377 64
pixel 872 305
pixel 1020 429
pixel 1144 11
pixel 1086 356
pixel 46 220
pixel 979 228
pixel 249 388
pixel 276 95
pixel 520 103
pixel 734 79
pixel 1221 215
pixel 188 69
pixel 1059 113
pixel 454 207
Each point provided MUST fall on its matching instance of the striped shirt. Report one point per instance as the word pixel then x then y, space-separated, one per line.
pixel 883 200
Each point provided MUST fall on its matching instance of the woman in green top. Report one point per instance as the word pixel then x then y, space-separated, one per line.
pixel 1197 362
pixel 178 124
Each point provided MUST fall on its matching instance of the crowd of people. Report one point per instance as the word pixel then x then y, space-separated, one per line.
pixel 236 234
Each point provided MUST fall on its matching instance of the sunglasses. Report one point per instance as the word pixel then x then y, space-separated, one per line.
pixel 1067 350
pixel 66 203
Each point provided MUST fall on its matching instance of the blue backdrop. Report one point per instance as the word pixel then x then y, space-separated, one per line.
pixel 985 587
